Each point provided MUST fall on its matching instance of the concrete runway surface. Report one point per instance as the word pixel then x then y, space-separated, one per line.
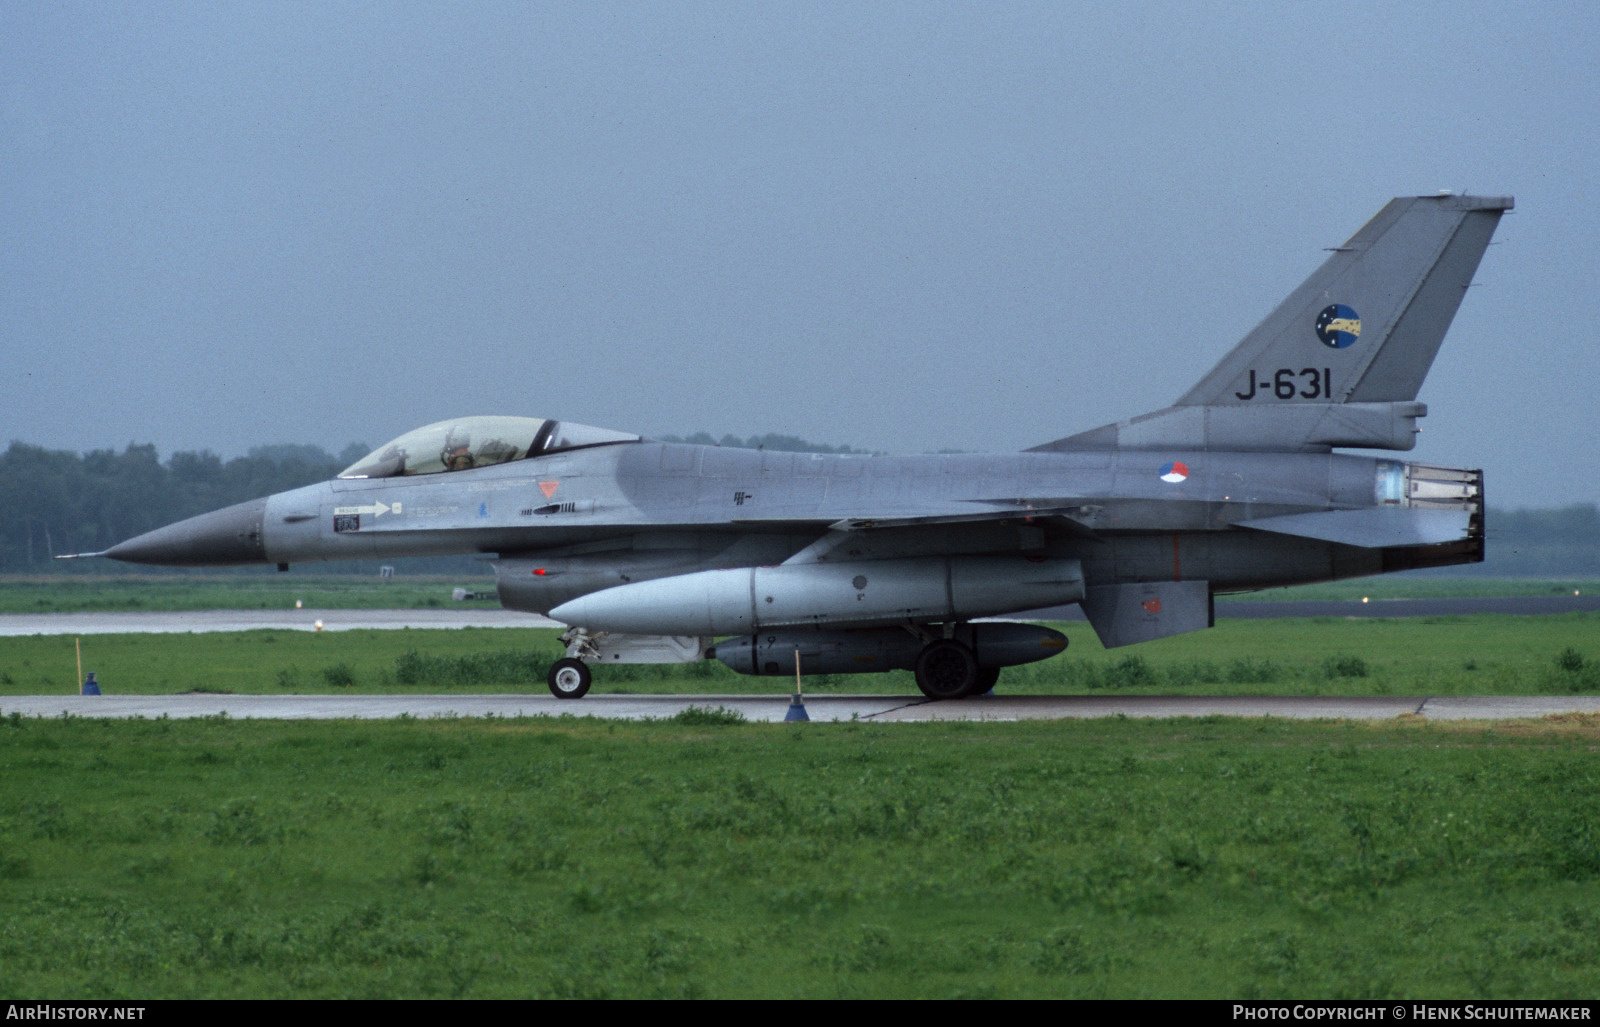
pixel 256 620
pixel 890 708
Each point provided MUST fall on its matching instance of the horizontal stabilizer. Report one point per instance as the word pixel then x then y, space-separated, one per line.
pixel 1372 528
pixel 1147 610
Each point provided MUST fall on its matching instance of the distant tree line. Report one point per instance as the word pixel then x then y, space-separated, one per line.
pixel 53 502
pixel 1558 543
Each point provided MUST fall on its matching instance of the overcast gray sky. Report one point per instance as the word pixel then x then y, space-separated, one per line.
pixel 904 227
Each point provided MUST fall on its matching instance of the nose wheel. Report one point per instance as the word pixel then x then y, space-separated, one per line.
pixel 569 678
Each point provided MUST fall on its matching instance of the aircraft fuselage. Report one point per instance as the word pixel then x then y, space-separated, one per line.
pixel 673 509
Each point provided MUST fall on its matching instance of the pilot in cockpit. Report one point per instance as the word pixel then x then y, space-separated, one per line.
pixel 457 453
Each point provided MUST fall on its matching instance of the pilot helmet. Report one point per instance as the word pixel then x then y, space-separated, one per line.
pixel 457 452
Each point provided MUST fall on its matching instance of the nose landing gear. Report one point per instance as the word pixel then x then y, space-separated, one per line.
pixel 569 678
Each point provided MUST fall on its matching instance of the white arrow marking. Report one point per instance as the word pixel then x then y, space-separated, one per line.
pixel 376 510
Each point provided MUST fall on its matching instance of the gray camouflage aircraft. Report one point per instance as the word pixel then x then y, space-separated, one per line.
pixel 660 552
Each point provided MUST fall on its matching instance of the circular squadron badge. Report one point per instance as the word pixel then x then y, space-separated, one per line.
pixel 1338 326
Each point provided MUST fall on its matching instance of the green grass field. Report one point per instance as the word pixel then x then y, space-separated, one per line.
pixel 1476 655
pixel 509 858
pixel 703 857
pixel 1408 586
pixel 252 591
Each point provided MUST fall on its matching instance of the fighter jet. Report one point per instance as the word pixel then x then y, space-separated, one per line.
pixel 777 563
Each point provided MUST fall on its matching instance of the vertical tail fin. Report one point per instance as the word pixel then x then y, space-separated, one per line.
pixel 1340 362
pixel 1373 314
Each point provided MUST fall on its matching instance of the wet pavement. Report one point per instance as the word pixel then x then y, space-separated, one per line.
pixel 891 708
pixel 255 620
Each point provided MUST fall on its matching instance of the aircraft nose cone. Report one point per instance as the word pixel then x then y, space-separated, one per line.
pixel 231 535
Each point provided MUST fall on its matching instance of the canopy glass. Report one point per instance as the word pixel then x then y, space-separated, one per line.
pixel 467 442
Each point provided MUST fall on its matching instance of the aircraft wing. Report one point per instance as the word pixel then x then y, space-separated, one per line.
pixel 1026 515
pixel 850 531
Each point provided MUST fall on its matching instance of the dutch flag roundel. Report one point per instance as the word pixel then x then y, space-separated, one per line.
pixel 1174 471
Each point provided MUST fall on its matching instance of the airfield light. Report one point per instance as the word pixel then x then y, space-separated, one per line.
pixel 297 604
pixel 1363 599
pixel 319 625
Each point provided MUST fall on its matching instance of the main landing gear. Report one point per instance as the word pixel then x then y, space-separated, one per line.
pixel 948 669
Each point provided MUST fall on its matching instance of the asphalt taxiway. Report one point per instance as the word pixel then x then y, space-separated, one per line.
pixel 887 708
pixel 200 621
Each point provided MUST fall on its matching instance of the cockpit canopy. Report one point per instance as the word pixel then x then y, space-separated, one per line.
pixel 467 442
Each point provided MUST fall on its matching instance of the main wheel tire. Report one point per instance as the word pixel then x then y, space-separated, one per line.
pixel 986 681
pixel 946 669
pixel 569 678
